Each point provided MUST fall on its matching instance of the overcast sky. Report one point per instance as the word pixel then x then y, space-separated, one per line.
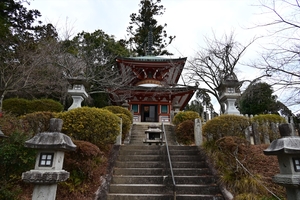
pixel 189 20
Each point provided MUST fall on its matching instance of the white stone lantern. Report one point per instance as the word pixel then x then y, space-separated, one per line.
pixel 229 91
pixel 49 161
pixel 77 91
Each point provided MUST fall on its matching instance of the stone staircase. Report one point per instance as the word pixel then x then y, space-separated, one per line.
pixel 142 172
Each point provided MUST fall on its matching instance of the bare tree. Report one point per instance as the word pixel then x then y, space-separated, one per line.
pixel 280 59
pixel 218 59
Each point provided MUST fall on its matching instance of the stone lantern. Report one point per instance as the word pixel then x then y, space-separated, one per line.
pixel 229 91
pixel 287 150
pixel 77 91
pixel 49 161
pixel 153 134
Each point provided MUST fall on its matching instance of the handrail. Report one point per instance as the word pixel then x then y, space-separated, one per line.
pixel 169 157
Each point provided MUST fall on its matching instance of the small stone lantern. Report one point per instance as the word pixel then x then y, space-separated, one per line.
pixel 287 150
pixel 153 134
pixel 49 161
pixel 77 91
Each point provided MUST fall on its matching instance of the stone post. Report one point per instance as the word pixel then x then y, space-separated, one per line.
pixel 287 150
pixel 265 133
pixel 119 137
pixel 49 161
pixel 198 132
pixel 256 135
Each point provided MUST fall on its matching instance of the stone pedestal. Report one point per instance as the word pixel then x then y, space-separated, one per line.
pixel 230 107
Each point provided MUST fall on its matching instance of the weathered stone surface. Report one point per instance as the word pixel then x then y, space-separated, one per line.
pixel 45 177
pixel 285 145
pixel 51 140
pixel 287 180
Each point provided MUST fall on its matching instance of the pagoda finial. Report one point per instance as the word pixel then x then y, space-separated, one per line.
pixel 150 41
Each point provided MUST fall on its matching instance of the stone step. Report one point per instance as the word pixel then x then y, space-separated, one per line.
pixel 141 158
pixel 162 197
pixel 191 171
pixel 129 179
pixel 138 171
pixel 155 164
pixel 162 189
pixel 162 172
pixel 143 179
pixel 130 164
pixel 142 172
pixel 183 152
pixel 144 152
pixel 158 158
pixel 118 196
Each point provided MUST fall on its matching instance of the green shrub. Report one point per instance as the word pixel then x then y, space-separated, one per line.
pixel 37 122
pixel 185 132
pixel 185 115
pixel 120 110
pixel 19 106
pixel 225 125
pixel 95 125
pixel 11 123
pixel 260 119
pixel 16 106
pixel 14 160
pixel 126 124
pixel 82 165
pixel 44 105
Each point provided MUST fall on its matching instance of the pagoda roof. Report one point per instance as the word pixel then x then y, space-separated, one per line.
pixel 161 69
pixel 180 95
pixel 151 59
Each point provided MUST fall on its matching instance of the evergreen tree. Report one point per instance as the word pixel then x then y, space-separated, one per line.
pixel 143 24
pixel 258 99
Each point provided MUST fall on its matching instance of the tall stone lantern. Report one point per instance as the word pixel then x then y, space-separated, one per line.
pixel 49 161
pixel 77 91
pixel 229 91
pixel 287 150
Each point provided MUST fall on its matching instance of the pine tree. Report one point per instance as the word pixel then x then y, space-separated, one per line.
pixel 143 24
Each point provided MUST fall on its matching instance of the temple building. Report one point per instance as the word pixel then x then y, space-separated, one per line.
pixel 151 88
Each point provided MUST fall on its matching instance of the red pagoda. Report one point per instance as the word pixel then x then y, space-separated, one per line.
pixel 151 87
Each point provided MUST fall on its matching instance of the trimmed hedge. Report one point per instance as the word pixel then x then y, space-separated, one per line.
pixel 37 122
pixel 185 115
pixel 225 125
pixel 95 125
pixel 185 132
pixel 19 106
pixel 260 119
pixel 120 110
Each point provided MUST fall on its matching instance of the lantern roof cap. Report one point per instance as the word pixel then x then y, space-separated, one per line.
pixel 51 140
pixel 284 145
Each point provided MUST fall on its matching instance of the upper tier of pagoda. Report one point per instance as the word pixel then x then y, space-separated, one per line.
pixel 137 71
